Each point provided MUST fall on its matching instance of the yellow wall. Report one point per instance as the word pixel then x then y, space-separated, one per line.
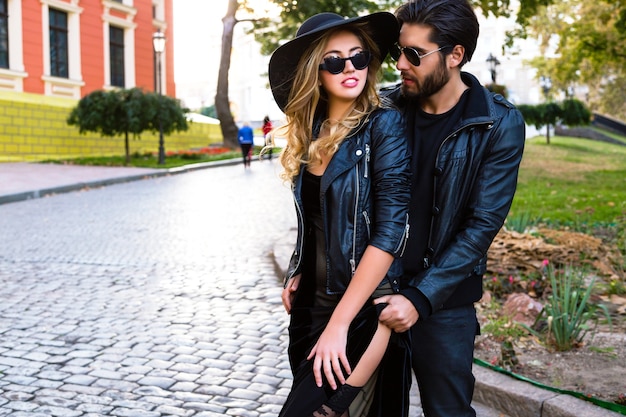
pixel 34 128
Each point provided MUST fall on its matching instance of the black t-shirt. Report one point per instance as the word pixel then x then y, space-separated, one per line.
pixel 428 133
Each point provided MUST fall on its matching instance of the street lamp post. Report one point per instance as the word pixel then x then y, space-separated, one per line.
pixel 158 43
pixel 493 66
pixel 546 85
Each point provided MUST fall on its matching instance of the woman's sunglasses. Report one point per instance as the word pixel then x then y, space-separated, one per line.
pixel 411 54
pixel 336 65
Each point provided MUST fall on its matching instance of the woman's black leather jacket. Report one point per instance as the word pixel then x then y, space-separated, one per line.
pixel 364 196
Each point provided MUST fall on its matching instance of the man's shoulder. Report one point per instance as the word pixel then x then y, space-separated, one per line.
pixel 499 99
pixel 391 93
pixel 471 81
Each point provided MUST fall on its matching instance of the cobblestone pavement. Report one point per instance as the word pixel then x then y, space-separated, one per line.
pixel 156 297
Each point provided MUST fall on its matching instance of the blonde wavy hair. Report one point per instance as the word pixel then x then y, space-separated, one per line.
pixel 307 101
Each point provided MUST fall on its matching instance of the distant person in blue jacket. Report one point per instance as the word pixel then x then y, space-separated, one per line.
pixel 246 140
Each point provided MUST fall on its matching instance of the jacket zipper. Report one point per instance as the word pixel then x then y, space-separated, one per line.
pixel 356 209
pixel 405 237
pixel 301 232
pixel 367 223
pixel 367 160
pixel 432 218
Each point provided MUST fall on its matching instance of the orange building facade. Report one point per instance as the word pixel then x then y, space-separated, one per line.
pixel 54 52
pixel 69 48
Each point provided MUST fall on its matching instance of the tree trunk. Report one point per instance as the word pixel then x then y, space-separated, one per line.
pixel 548 133
pixel 222 102
pixel 127 147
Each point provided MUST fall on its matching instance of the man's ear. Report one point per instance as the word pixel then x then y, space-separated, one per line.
pixel 456 56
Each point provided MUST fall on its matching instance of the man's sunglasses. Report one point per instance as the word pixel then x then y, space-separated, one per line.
pixel 336 65
pixel 411 54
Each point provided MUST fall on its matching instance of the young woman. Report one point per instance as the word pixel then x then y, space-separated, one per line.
pixel 347 161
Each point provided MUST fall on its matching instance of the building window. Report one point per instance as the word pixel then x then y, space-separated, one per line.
pixel 116 48
pixel 4 34
pixel 158 10
pixel 58 44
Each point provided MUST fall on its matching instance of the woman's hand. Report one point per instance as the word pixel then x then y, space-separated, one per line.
pixel 289 292
pixel 330 356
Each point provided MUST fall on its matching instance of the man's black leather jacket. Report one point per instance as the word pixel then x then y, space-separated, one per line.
pixel 475 180
pixel 364 195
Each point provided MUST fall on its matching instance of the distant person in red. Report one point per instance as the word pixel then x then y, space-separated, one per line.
pixel 267 128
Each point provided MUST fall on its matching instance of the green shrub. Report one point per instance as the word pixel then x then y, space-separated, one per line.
pixel 568 311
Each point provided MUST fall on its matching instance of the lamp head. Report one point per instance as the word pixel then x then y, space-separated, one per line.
pixel 158 42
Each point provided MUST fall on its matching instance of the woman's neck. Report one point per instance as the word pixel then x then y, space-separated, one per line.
pixel 337 110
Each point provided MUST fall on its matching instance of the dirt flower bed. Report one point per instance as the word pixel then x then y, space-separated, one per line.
pixel 596 368
pixel 516 290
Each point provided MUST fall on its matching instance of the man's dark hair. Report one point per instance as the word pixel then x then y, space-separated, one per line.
pixel 453 22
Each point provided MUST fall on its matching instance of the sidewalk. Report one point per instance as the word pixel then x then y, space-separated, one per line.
pixel 23 181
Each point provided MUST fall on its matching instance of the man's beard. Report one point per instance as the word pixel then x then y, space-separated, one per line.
pixel 432 84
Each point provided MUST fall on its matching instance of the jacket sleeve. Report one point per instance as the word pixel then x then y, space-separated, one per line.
pixel 482 215
pixel 390 171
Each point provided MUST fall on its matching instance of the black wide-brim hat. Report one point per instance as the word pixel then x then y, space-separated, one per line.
pixel 383 28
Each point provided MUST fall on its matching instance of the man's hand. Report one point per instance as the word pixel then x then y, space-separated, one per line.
pixel 399 315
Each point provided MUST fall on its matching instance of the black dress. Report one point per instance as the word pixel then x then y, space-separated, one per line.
pixel 310 313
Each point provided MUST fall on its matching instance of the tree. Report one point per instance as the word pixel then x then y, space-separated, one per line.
pixel 126 111
pixel 222 101
pixel 574 113
pixel 588 42
pixel 570 112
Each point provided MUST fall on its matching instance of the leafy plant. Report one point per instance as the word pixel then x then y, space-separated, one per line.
pixel 502 328
pixel 127 111
pixel 568 311
pixel 521 222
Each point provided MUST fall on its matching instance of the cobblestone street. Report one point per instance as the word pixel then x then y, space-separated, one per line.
pixel 151 298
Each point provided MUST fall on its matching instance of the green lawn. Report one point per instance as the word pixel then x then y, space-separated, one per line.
pixel 572 182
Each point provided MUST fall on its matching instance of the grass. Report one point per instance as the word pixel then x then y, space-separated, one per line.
pixel 577 183
pixel 150 160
